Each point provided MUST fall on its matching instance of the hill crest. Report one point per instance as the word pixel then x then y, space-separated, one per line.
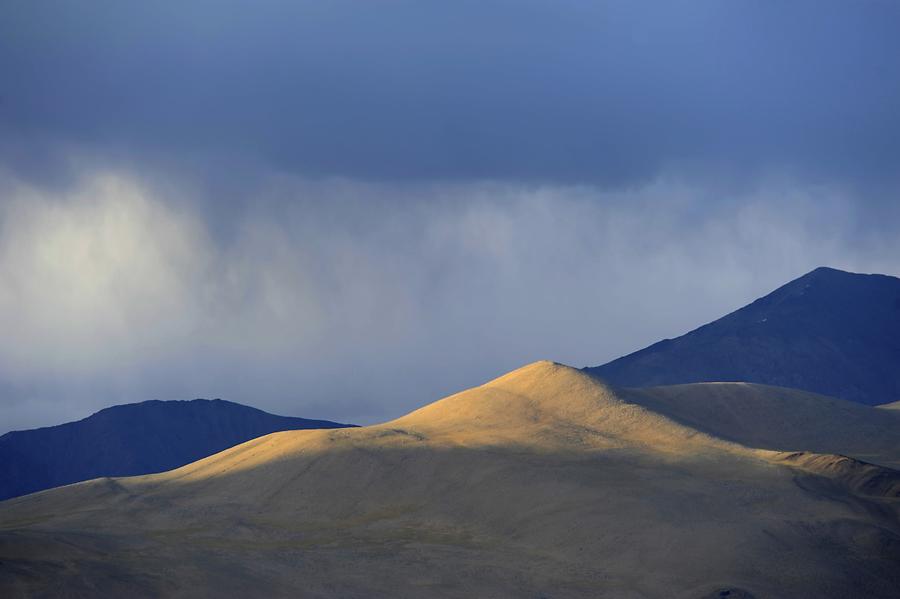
pixel 829 332
pixel 505 486
pixel 132 439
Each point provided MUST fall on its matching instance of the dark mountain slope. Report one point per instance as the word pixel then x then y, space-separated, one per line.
pixel 829 332
pixel 140 438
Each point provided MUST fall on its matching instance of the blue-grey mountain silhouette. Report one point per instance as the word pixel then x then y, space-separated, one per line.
pixel 131 439
pixel 830 332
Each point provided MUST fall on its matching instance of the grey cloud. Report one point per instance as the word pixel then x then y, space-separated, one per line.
pixel 573 92
pixel 359 301
pixel 347 209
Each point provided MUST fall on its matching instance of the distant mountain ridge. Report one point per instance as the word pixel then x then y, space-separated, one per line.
pixel 830 332
pixel 139 438
pixel 543 482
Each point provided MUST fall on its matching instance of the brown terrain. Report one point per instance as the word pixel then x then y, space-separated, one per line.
pixel 544 482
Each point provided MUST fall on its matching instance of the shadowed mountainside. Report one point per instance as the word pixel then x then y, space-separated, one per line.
pixel 779 418
pixel 829 332
pixel 139 438
pixel 542 483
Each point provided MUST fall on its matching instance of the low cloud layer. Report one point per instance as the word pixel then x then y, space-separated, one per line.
pixel 359 301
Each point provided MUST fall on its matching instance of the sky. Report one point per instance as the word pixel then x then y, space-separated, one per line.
pixel 349 209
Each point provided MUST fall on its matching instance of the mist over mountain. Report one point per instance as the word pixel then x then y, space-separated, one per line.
pixel 829 331
pixel 138 438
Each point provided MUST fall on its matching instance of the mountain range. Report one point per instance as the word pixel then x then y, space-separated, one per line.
pixel 738 478
pixel 829 331
pixel 125 440
pixel 545 482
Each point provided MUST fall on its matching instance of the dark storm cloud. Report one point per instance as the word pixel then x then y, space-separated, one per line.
pixel 347 209
pixel 599 92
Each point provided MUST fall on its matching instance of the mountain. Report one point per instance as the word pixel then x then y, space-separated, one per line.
pixel 544 482
pixel 139 438
pixel 778 418
pixel 829 332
